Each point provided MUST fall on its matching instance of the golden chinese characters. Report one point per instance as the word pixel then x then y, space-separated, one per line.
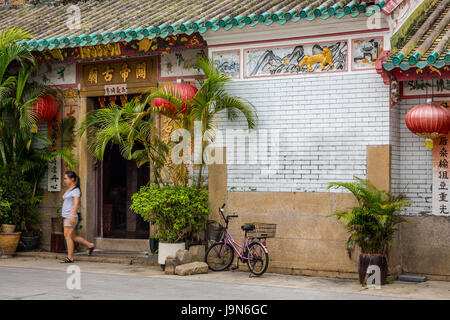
pixel 93 75
pixel 141 71
pixel 108 74
pixel 124 72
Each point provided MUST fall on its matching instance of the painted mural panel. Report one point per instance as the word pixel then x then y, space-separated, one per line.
pixel 296 59
pixel 365 52
pixel 56 74
pixel 228 62
pixel 179 64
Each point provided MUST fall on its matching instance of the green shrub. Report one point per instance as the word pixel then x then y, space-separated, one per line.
pixel 5 208
pixel 23 205
pixel 178 211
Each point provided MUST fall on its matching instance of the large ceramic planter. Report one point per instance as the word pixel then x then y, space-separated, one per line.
pixel 8 228
pixel 28 243
pixel 168 249
pixel 8 243
pixel 372 259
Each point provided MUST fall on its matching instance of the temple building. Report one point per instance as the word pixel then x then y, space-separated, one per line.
pixel 332 82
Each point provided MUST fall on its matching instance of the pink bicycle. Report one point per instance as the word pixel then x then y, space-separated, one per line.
pixel 220 254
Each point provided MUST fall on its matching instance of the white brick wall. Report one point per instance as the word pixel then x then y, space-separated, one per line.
pixel 411 169
pixel 325 123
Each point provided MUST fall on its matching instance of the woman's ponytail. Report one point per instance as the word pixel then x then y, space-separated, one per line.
pixel 73 175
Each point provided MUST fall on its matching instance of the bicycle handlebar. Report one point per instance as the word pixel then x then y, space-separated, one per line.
pixel 230 216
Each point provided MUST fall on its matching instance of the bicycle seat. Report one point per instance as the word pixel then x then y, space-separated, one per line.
pixel 248 227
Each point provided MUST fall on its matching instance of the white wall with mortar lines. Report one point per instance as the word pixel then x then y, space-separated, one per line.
pixel 325 123
pixel 412 163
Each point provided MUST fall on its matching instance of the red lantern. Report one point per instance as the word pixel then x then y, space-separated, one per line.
pixel 183 91
pixel 46 108
pixel 429 121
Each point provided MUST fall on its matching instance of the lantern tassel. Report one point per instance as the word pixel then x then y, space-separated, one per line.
pixel 429 143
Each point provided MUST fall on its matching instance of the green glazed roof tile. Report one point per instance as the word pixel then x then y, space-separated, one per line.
pixel 119 20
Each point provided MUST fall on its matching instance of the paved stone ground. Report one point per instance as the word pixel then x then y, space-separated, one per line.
pixel 36 278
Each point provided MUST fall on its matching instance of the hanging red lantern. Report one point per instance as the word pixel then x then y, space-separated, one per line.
pixel 429 121
pixel 183 91
pixel 46 108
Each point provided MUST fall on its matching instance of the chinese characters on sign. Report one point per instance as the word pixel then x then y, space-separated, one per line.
pixel 115 89
pixel 54 175
pixel 441 176
pixel 129 72
pixel 108 74
pixel 93 75
pixel 141 71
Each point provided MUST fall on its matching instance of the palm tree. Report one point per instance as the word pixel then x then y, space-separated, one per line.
pixel 10 52
pixel 131 127
pixel 18 120
pixel 210 99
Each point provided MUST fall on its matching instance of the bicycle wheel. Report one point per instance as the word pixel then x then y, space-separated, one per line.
pixel 258 259
pixel 219 258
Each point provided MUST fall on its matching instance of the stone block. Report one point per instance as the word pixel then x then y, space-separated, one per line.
pixel 197 253
pixel 171 263
pixel 191 268
pixel 183 256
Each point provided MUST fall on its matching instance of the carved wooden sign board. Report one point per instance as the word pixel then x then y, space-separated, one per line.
pixel 114 78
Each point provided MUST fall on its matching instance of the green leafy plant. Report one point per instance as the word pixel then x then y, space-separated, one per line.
pixel 23 203
pixel 58 208
pixel 25 153
pixel 132 128
pixel 5 208
pixel 178 211
pixel 374 221
pixel 210 100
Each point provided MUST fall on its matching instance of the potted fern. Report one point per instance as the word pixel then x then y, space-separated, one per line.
pixel 371 224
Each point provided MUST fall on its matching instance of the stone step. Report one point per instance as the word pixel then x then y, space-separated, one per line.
pixel 121 257
pixel 411 278
pixel 112 244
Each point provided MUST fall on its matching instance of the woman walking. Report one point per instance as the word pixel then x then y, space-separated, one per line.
pixel 70 214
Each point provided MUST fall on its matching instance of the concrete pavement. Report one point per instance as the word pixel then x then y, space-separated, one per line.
pixel 35 278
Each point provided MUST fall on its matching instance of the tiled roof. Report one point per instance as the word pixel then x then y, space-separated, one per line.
pixel 127 20
pixel 426 43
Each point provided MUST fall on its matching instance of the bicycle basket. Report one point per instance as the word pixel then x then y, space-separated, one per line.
pixel 214 230
pixel 263 230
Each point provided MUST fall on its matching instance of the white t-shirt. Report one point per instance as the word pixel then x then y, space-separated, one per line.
pixel 68 201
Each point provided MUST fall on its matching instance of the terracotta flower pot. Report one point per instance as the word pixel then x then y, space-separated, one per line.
pixel 365 260
pixel 8 228
pixel 9 242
